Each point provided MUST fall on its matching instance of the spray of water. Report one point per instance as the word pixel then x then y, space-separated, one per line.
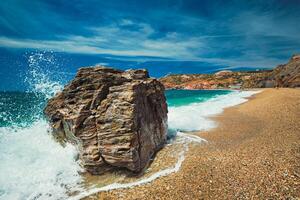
pixel 42 66
pixel 33 165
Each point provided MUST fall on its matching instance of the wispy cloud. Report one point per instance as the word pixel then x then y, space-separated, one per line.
pixel 116 40
pixel 242 34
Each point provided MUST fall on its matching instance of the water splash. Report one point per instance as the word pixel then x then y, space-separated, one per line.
pixel 42 66
pixel 22 109
pixel 33 165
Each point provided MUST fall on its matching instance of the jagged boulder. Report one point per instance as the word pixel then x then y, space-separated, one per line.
pixel 115 118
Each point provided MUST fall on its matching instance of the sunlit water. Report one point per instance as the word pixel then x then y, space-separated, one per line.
pixel 34 166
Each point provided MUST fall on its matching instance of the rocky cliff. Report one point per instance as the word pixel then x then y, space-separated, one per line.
pixel 287 75
pixel 115 118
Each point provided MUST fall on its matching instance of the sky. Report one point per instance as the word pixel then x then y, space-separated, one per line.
pixel 164 36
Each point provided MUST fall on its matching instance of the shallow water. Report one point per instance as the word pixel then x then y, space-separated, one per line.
pixel 178 98
pixel 196 115
pixel 34 166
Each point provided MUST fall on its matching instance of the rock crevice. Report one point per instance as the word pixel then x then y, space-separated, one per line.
pixel 116 118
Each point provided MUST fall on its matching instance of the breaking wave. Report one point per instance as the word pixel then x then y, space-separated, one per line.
pixel 195 116
pixel 33 165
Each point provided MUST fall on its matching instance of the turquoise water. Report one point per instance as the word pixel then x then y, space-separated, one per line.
pixel 23 108
pixel 177 98
pixel 20 108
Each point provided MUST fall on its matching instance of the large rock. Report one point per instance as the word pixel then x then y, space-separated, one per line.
pixel 116 118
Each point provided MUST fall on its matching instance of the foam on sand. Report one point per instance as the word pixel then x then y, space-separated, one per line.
pixel 182 138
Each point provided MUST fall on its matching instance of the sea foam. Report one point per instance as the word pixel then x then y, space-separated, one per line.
pixel 195 116
pixel 182 138
pixel 34 166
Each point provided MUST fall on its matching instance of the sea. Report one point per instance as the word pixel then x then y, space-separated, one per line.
pixel 34 166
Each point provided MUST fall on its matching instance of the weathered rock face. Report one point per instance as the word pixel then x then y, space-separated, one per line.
pixel 116 118
pixel 288 75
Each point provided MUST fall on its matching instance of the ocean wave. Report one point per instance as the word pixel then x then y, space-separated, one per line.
pixel 195 116
pixel 34 166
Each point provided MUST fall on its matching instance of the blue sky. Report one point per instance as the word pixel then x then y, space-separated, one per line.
pixel 167 36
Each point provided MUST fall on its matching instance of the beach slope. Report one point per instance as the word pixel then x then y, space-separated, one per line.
pixel 253 153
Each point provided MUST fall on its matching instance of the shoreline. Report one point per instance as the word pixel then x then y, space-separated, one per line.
pixel 163 163
pixel 227 163
pixel 217 89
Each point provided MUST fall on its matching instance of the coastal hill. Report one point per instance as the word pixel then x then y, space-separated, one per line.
pixel 286 75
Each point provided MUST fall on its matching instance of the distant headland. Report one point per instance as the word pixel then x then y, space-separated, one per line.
pixel 285 75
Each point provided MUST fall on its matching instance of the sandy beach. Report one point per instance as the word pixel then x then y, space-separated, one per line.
pixel 254 153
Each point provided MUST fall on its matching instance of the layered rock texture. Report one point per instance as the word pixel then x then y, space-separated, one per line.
pixel 287 75
pixel 116 118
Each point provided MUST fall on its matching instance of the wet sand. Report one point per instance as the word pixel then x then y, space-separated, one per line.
pixel 254 153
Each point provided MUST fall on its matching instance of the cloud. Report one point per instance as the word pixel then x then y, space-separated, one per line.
pixel 117 41
pixel 102 64
pixel 243 33
pixel 126 22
